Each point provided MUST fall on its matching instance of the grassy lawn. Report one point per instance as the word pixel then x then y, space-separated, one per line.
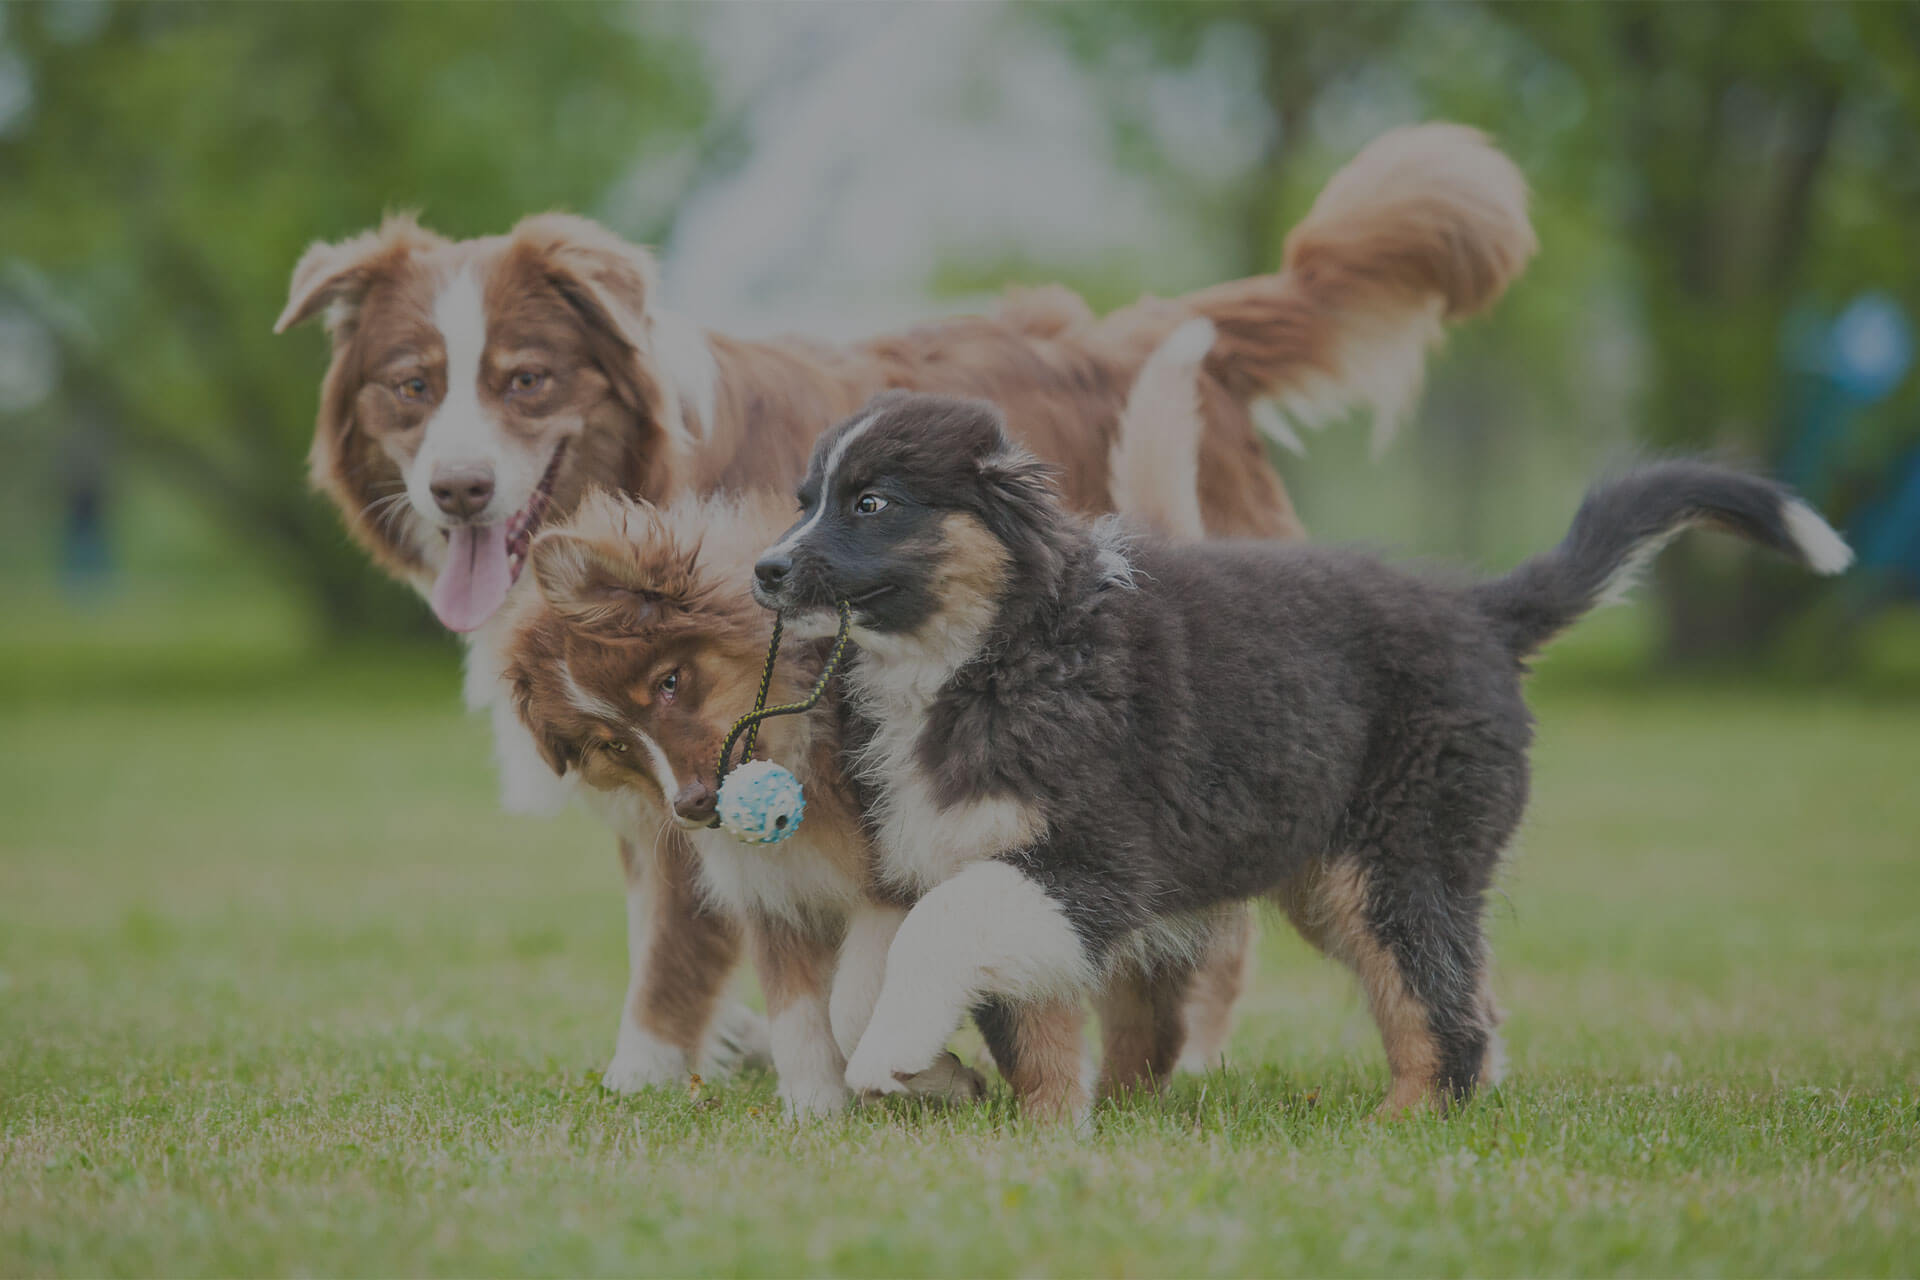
pixel 281 992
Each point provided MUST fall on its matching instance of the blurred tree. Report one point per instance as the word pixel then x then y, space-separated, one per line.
pixel 1286 54
pixel 180 157
pixel 1757 159
pixel 1703 168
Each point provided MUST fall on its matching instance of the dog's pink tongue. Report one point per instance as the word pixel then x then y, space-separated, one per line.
pixel 475 580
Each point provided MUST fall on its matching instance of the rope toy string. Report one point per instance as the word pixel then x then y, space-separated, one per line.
pixel 769 809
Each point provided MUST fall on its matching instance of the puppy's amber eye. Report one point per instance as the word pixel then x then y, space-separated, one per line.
pixel 669 685
pixel 617 746
pixel 869 503
pixel 413 389
pixel 527 381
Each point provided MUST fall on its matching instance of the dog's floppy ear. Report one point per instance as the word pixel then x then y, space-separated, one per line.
pixel 335 277
pixel 593 585
pixel 552 747
pixel 554 751
pixel 609 284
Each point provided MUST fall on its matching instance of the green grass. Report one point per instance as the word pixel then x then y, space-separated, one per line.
pixel 280 992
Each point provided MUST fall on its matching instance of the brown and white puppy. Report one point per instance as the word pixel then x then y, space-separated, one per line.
pixel 645 648
pixel 478 388
pixel 640 651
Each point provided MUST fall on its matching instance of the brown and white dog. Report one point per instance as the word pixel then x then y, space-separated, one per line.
pixel 480 388
pixel 644 645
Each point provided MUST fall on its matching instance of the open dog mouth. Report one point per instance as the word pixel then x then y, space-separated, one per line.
pixel 524 523
pixel 484 560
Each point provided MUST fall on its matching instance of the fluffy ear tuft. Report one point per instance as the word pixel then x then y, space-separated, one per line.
pixel 334 277
pixel 589 584
pixel 610 285
pixel 1014 476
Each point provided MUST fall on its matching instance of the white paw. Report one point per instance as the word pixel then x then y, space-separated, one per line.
pixel 812 1100
pixel 641 1062
pixel 871 1071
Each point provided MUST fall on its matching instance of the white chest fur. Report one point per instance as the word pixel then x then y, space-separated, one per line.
pixel 922 842
pixel 793 880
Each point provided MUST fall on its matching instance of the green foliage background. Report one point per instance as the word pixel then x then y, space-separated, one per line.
pixel 178 158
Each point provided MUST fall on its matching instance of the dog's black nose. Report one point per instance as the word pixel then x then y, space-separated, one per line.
pixel 462 491
pixel 772 570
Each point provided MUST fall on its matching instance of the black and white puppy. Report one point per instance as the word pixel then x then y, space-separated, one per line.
pixel 1080 751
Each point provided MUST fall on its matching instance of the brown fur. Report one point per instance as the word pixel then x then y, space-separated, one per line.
pixel 1048 1069
pixel 792 963
pixel 1213 990
pixel 692 950
pixel 1427 215
pixel 1141 1031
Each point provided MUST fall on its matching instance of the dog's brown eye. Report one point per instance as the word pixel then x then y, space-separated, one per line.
pixel 413 389
pixel 669 685
pixel 527 380
pixel 617 746
pixel 868 503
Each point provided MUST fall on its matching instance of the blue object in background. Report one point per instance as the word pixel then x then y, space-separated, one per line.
pixel 1858 360
pixel 1870 348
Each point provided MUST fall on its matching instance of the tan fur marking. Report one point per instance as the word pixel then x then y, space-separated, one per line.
pixel 1141 1030
pixel 1328 905
pixel 973 567
pixel 1049 1073
pixel 1215 987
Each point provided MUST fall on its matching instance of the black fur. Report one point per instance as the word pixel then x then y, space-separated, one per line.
pixel 1235 717
pixel 1550 592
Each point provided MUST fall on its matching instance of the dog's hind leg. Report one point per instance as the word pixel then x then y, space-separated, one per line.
pixel 1214 990
pixel 1040 1048
pixel 1142 1027
pixel 988 931
pixel 1420 956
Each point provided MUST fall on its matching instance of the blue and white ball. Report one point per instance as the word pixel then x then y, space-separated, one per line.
pixel 761 803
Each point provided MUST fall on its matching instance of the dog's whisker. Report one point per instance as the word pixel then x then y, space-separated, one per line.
pixel 386 512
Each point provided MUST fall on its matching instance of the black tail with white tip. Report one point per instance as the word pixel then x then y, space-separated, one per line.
pixel 1622 525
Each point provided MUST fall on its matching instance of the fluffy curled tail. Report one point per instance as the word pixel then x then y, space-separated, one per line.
pixel 1622 525
pixel 1427 224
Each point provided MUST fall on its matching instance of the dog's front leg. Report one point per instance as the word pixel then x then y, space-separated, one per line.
pixel 863 966
pixel 679 956
pixel 989 931
pixel 796 967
